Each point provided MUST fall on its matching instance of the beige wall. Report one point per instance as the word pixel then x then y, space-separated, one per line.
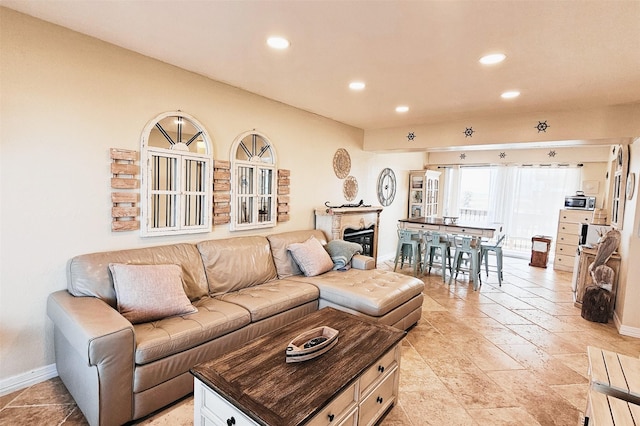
pixel 628 299
pixel 67 99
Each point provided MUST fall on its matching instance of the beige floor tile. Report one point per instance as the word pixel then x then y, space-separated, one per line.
pixel 180 414
pixel 549 342
pixel 507 416
pixel 433 409
pixel 484 354
pixel 36 414
pixel 545 367
pixel 461 308
pixel 546 321
pixel 49 392
pixel 537 398
pixel 6 399
pixel 575 394
pixel 577 362
pixel 430 304
pixel 516 291
pixel 397 416
pixel 470 385
pixel 509 301
pixel 552 308
pixel 504 336
pixel 502 314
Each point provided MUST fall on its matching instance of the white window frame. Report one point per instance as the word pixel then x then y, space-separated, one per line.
pixel 177 211
pixel 239 220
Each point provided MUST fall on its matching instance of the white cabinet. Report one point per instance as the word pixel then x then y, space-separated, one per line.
pixel 568 237
pixel 424 190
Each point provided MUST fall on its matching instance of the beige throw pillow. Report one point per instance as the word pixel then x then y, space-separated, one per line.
pixel 311 257
pixel 150 292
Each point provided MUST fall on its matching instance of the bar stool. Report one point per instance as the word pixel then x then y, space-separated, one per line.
pixel 496 248
pixel 409 245
pixel 437 244
pixel 467 251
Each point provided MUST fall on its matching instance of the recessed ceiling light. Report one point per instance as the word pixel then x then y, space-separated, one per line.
pixel 494 58
pixel 357 85
pixel 402 108
pixel 278 42
pixel 510 94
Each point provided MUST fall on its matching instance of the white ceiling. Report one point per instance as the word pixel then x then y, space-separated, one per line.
pixel 424 54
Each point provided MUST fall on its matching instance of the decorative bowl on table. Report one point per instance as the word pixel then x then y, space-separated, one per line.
pixel 311 344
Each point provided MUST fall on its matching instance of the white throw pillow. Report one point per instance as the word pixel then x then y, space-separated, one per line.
pixel 150 292
pixel 311 257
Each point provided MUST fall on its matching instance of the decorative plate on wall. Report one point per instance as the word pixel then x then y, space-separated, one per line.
pixel 386 187
pixel 350 188
pixel 631 184
pixel 341 163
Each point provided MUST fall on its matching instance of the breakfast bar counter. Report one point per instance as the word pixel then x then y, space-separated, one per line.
pixel 478 229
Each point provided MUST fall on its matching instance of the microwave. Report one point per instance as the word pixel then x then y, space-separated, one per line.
pixel 579 202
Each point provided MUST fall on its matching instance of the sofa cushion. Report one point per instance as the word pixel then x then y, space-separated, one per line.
pixel 311 257
pixel 284 262
pixel 235 263
pixel 88 274
pixel 372 292
pixel 159 339
pixel 150 292
pixel 272 298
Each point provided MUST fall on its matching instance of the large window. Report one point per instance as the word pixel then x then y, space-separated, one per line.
pixel 253 182
pixel 524 199
pixel 176 181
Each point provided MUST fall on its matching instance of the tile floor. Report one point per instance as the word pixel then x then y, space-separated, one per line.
pixel 507 355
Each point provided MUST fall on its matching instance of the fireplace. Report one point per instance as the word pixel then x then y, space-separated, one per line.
pixel 357 224
pixel 364 237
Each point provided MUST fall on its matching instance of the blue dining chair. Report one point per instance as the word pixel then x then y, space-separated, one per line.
pixel 408 247
pixel 496 248
pixel 437 246
pixel 467 251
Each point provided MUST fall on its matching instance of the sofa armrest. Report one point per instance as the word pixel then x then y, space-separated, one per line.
pixel 95 348
pixel 84 321
pixel 360 261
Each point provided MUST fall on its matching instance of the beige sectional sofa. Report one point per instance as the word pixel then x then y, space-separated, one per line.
pixel 243 287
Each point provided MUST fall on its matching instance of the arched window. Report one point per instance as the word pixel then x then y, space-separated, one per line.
pixel 253 182
pixel 177 169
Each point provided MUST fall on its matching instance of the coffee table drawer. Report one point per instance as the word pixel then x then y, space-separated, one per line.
pixel 378 401
pixel 378 370
pixel 218 411
pixel 338 408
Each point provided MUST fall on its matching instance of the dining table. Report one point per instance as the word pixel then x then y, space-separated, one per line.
pixel 451 226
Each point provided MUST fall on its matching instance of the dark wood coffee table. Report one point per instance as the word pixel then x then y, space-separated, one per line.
pixel 354 383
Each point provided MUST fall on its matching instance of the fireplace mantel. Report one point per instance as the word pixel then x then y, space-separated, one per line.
pixel 334 221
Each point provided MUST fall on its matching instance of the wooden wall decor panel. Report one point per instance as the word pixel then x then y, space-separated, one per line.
pixel 284 183
pixel 221 192
pixel 125 175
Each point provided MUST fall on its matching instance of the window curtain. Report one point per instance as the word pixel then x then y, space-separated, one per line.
pixel 526 201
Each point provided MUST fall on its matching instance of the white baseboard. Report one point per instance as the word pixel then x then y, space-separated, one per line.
pixel 625 330
pixel 22 381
